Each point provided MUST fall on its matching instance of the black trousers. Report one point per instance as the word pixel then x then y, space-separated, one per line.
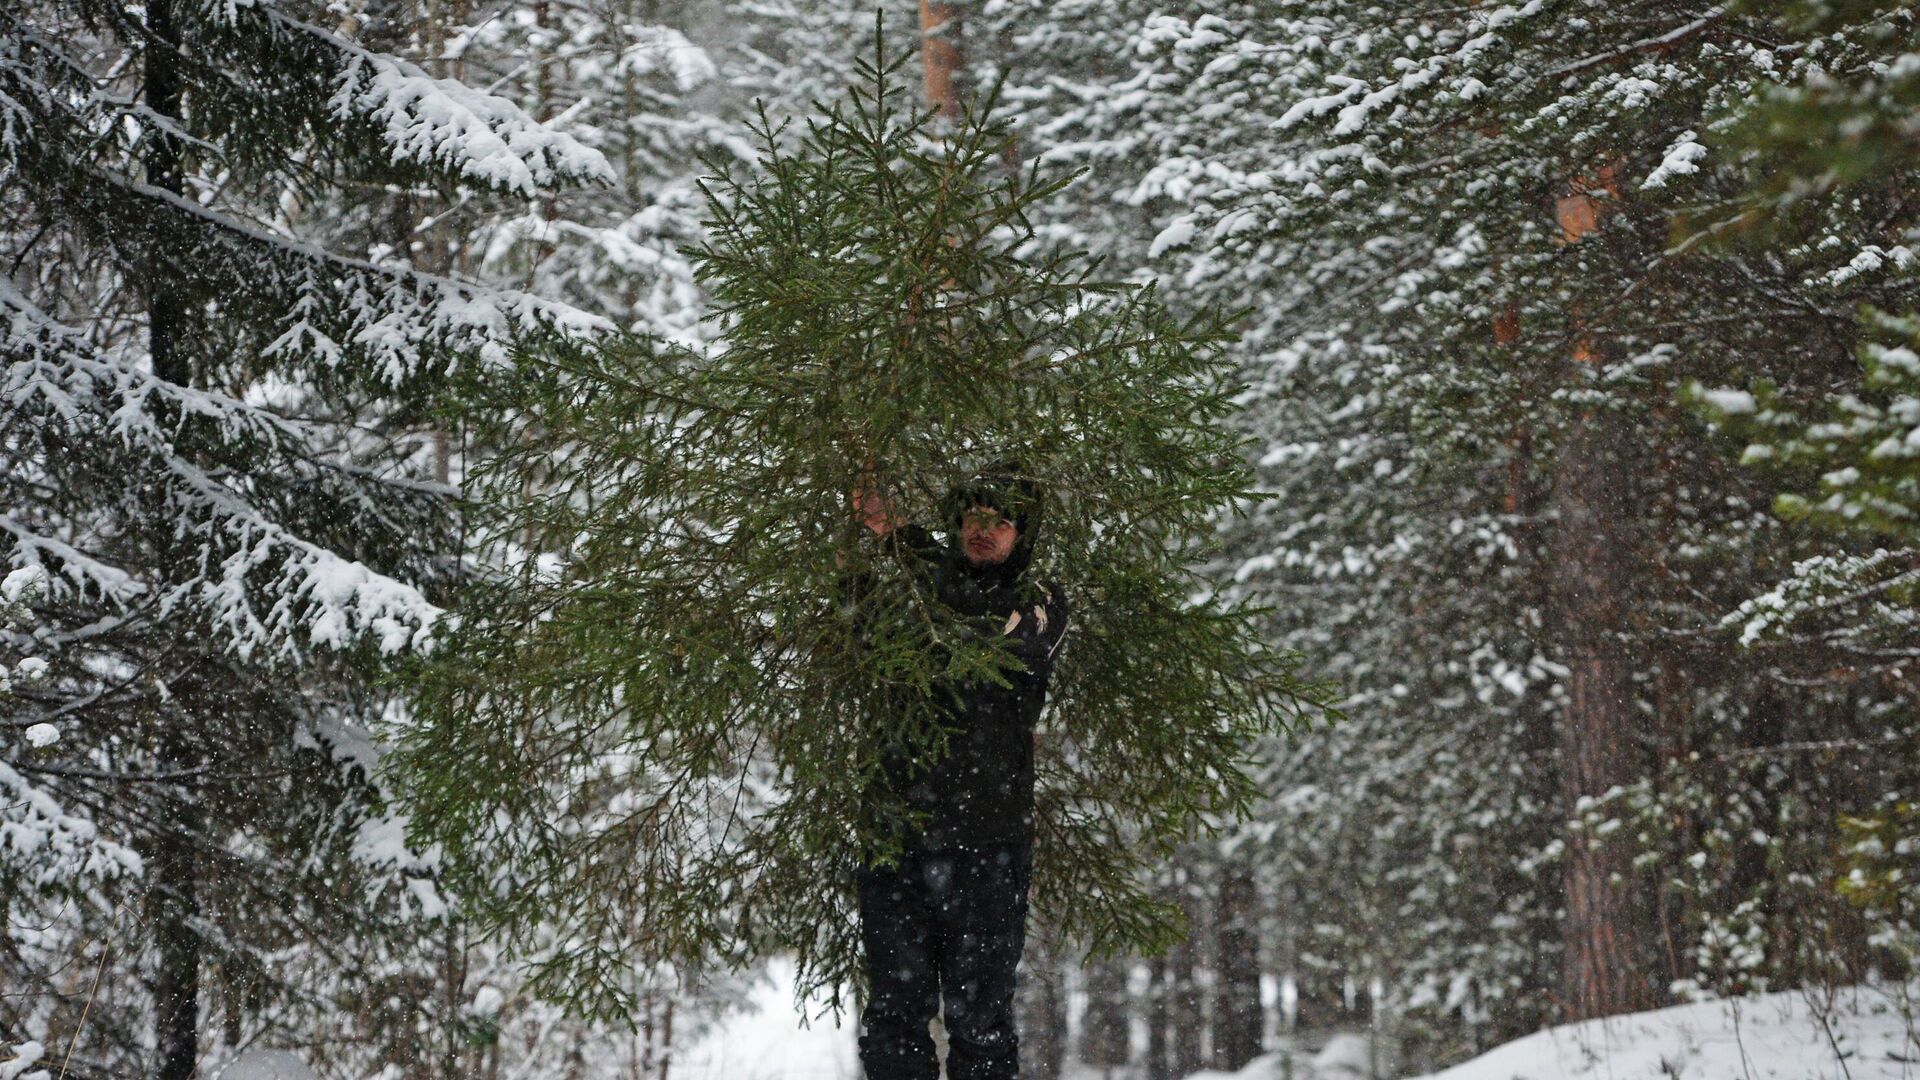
pixel 944 923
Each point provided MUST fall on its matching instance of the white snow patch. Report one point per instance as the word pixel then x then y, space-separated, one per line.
pixel 487 1001
pixel 766 1041
pixel 267 1065
pixel 1873 258
pixel 1177 234
pixel 25 581
pixel 1345 1056
pixel 1264 1067
pixel 1680 160
pixel 658 48
pixel 1729 401
pixel 485 138
pixel 1763 1037
pixel 22 1057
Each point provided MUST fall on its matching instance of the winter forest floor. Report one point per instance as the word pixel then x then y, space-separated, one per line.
pixel 1861 1034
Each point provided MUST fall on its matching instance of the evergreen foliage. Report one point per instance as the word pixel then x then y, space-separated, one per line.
pixel 653 724
pixel 1436 370
pixel 214 456
pixel 1846 447
pixel 639 90
pixel 1849 467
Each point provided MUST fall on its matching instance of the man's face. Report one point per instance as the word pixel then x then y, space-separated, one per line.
pixel 986 536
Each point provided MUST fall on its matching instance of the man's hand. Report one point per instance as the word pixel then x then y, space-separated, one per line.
pixel 875 510
pixel 1039 620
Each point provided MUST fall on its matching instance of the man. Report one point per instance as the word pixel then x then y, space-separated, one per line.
pixel 948 921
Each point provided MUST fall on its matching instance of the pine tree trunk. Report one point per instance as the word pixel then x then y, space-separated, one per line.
pixel 666 1039
pixel 1320 1002
pixel 1237 1015
pixel 1591 561
pixel 1042 1004
pixel 453 980
pixel 940 55
pixel 172 909
pixel 162 91
pixel 1105 1028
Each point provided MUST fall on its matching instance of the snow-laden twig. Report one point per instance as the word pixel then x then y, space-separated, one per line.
pixel 445 123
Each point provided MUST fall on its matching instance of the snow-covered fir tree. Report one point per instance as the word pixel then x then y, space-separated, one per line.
pixel 1845 446
pixel 216 459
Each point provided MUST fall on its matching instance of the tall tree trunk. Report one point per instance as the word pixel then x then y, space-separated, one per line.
pixel 172 909
pixel 666 1038
pixel 162 89
pixel 453 983
pixel 1186 1015
pixel 1237 1014
pixel 1591 557
pixel 173 895
pixel 1042 1002
pixel 1592 560
pixel 1320 999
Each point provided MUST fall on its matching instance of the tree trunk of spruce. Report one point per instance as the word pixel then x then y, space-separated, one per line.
pixel 173 899
pixel 1592 561
pixel 453 982
pixel 940 55
pixel 172 908
pixel 1320 999
pixel 1237 1015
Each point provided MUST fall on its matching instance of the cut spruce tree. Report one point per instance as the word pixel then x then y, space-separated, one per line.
pixel 656 723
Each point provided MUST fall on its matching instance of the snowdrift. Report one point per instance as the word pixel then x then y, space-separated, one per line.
pixel 1857 1033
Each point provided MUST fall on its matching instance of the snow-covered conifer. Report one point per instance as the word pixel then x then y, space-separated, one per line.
pixel 1486 246
pixel 214 454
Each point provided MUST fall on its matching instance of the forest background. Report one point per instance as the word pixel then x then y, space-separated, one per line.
pixel 1580 359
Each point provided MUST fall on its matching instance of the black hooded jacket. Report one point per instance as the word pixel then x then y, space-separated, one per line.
pixel 981 790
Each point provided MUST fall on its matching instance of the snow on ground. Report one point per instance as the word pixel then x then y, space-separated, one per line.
pixel 1764 1037
pixel 1345 1057
pixel 267 1065
pixel 766 1041
pixel 1264 1067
